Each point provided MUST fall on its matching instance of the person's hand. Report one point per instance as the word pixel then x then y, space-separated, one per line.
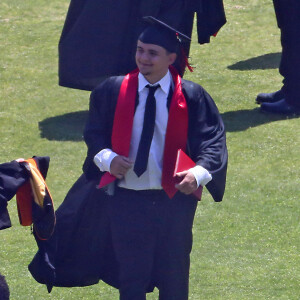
pixel 20 159
pixel 188 183
pixel 119 166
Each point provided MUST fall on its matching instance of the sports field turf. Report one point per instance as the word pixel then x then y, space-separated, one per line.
pixel 246 247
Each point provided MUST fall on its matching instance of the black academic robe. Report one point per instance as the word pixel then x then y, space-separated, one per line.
pixel 80 251
pixel 13 175
pixel 288 19
pixel 206 134
pixel 99 37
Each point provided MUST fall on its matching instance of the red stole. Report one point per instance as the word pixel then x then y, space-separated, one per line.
pixel 176 133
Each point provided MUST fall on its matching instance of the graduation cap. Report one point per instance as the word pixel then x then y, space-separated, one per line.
pixel 161 34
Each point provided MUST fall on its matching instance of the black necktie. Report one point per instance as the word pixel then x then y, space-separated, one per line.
pixel 141 160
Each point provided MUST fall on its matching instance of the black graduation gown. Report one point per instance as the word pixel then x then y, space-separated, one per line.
pixel 12 176
pixel 288 20
pixel 99 37
pixel 80 251
pixel 206 133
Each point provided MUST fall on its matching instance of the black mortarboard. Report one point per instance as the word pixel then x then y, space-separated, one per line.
pixel 161 34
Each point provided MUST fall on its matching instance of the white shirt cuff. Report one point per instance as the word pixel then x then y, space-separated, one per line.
pixel 201 174
pixel 103 159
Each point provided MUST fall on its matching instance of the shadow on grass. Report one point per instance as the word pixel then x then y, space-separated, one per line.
pixel 68 127
pixel 241 120
pixel 266 61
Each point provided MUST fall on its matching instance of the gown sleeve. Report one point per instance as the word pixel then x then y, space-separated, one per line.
pixel 206 138
pixel 210 18
pixel 98 128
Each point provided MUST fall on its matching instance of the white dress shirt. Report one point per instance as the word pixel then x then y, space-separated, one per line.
pixel 151 178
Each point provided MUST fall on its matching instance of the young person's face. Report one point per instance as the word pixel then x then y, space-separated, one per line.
pixel 153 61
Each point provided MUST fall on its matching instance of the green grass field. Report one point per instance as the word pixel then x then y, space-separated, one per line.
pixel 246 247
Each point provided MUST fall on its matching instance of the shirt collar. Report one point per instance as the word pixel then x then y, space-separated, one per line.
pixel 164 82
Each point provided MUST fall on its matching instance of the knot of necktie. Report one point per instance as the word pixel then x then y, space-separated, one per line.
pixel 152 89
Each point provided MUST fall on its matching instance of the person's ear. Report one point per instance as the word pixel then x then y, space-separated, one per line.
pixel 172 58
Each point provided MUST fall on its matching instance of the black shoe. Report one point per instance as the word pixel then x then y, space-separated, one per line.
pixel 279 107
pixel 269 97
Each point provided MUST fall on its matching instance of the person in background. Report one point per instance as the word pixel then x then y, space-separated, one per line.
pixel 4 290
pixel 286 101
pixel 98 39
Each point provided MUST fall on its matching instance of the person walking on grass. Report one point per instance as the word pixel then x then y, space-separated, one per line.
pixel 128 220
pixel 286 101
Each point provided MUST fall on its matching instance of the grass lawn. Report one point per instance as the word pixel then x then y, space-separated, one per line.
pixel 246 247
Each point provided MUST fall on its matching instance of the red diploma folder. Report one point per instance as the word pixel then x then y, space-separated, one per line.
pixel 183 163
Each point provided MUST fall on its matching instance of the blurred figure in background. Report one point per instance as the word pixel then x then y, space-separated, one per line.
pixel 98 39
pixel 286 101
pixel 4 291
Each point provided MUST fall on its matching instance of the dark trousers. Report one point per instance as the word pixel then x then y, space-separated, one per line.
pixel 288 19
pixel 152 238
